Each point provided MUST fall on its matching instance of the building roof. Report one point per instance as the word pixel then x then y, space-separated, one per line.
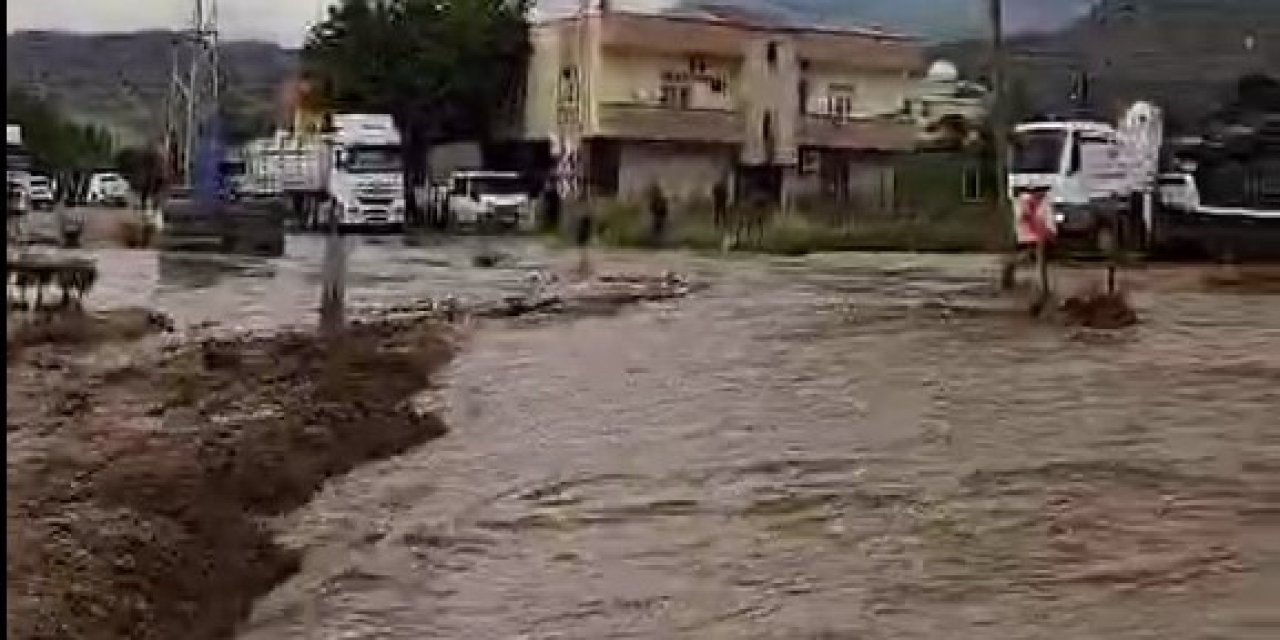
pixel 738 17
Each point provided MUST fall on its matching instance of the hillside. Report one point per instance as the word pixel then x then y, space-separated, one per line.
pixel 935 20
pixel 1185 54
pixel 120 80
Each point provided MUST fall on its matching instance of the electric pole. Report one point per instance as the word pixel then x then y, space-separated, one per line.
pixel 999 100
pixel 192 102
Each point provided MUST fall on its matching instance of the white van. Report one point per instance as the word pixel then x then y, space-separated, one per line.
pixel 489 198
pixel 108 189
pixel 40 191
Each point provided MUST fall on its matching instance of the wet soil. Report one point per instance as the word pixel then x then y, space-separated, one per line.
pixel 138 481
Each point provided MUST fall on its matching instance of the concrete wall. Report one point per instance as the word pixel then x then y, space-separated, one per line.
pixel 769 90
pixel 541 85
pixel 444 159
pixel 683 171
pixel 846 186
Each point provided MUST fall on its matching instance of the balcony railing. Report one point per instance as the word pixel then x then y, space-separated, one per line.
pixel 652 122
pixel 871 134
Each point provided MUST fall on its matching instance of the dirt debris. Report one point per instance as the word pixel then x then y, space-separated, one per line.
pixel 136 502
pixel 551 295
pixel 1262 279
pixel 1099 309
pixel 77 328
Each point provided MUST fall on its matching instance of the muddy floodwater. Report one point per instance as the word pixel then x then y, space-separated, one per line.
pixel 833 447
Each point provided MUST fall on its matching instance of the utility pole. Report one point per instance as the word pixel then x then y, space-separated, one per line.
pixel 192 101
pixel 999 101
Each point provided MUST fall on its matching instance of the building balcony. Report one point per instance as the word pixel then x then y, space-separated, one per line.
pixel 634 121
pixel 864 134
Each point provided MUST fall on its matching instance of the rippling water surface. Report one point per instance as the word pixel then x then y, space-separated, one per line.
pixel 844 447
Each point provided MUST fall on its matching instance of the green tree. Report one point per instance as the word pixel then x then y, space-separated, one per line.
pixel 55 142
pixel 444 69
pixel 1258 93
pixel 144 169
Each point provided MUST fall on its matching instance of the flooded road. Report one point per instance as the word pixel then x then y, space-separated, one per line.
pixel 834 447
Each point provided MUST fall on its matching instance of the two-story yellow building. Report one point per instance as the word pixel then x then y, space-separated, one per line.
pixel 688 99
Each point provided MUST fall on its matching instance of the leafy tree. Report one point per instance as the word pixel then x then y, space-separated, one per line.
pixel 55 142
pixel 143 168
pixel 1258 93
pixel 444 69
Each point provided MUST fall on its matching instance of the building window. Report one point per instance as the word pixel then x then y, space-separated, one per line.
pixel 767 137
pixel 840 101
pixel 697 65
pixel 771 55
pixel 568 86
pixel 803 94
pixel 971 184
pixel 840 106
pixel 675 96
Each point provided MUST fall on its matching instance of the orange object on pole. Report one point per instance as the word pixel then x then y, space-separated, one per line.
pixel 300 108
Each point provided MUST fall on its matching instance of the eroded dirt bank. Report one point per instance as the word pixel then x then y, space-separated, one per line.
pixel 139 477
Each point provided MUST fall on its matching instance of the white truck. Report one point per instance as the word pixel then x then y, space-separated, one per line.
pixel 1104 184
pixel 364 176
pixel 1100 178
pixel 288 164
pixel 17 169
pixel 108 188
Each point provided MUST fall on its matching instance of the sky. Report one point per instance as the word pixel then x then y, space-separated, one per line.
pixel 282 21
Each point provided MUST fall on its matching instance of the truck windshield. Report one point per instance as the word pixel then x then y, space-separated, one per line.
pixel 1037 151
pixel 233 168
pixel 373 159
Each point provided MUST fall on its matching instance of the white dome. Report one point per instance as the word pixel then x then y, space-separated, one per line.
pixel 943 71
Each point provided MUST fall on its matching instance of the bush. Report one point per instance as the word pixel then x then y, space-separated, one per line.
pixel 627 224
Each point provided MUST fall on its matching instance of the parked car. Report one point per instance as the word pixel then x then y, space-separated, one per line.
pixel 488 199
pixel 108 189
pixel 40 192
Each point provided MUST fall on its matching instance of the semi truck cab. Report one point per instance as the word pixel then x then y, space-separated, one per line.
pixel 365 181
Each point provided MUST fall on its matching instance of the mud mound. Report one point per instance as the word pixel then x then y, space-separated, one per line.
pixel 1099 310
pixel 135 234
pixel 142 518
pixel 73 326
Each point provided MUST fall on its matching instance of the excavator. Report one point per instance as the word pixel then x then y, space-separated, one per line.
pixel 211 212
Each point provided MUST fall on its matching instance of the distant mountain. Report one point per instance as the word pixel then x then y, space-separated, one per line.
pixel 1186 55
pixel 120 80
pixel 935 20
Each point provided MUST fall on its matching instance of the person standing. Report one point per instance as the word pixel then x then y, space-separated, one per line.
pixel 658 213
pixel 720 203
pixel 551 206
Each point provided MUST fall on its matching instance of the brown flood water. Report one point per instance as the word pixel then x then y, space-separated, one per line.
pixel 844 447
pixel 838 447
